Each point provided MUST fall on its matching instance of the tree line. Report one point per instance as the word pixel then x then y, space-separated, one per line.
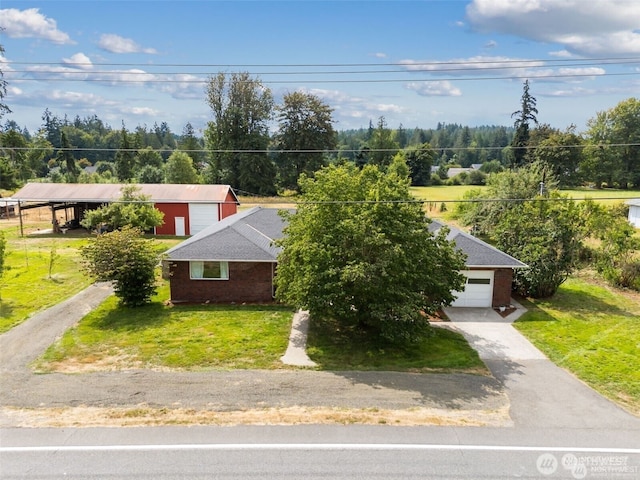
pixel 263 148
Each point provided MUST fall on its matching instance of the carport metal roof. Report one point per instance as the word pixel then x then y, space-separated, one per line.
pixel 109 192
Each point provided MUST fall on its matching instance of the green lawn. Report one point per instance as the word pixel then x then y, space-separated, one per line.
pixel 594 332
pixel 443 351
pixel 160 335
pixel 26 287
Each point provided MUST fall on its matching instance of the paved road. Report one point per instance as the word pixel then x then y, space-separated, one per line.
pixel 315 452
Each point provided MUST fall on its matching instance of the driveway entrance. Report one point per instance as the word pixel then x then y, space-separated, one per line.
pixel 540 392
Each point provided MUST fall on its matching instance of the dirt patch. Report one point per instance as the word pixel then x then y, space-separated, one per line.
pixel 144 415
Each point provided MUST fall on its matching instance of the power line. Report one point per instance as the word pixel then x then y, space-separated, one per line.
pixel 603 60
pixel 337 81
pixel 334 150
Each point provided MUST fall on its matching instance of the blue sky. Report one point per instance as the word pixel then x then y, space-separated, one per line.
pixel 416 63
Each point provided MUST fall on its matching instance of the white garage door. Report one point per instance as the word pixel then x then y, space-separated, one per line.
pixel 201 215
pixel 478 291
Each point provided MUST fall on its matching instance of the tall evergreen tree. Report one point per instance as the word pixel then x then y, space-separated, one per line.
pixel 526 115
pixel 125 162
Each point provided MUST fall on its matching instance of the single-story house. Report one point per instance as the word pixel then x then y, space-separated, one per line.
pixel 235 260
pixel 232 261
pixel 634 212
pixel 187 209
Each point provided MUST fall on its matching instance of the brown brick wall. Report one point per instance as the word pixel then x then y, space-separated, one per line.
pixel 247 283
pixel 503 277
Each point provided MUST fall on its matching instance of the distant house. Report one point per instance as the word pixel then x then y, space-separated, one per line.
pixel 235 261
pixel 187 209
pixel 634 212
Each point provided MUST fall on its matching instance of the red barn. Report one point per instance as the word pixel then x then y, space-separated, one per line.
pixel 187 209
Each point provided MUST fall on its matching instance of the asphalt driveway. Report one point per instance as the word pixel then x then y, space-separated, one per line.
pixel 541 393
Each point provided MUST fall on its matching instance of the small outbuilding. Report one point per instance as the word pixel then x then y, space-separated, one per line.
pixel 187 209
pixel 488 270
pixel 634 212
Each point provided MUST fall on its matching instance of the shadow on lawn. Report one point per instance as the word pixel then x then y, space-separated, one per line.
pixel 579 302
pixel 134 318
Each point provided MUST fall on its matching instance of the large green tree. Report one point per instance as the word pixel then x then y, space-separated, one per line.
pixel 562 153
pixel 544 233
pixel 358 250
pixel 238 136
pixel 305 133
pixel 132 209
pixel 524 117
pixel 614 139
pixel 127 259
pixel 180 169
pixel 382 144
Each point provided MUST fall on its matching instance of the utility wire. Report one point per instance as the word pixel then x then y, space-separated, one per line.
pixel 334 150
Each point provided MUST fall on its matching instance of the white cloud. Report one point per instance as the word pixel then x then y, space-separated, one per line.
pixel 593 27
pixel 561 54
pixel 116 44
pixel 78 60
pixel 31 23
pixel 491 44
pixel 435 89
pixel 504 67
pixel 141 111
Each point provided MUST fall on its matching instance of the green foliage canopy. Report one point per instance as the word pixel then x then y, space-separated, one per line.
pixel 127 259
pixel 132 209
pixel 358 250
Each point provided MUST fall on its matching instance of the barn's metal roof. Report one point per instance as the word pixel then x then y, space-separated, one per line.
pixel 108 192
pixel 245 236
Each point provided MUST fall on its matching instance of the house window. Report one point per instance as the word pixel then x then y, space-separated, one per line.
pixel 479 281
pixel 200 270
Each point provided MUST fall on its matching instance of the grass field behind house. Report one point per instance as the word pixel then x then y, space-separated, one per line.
pixel 594 332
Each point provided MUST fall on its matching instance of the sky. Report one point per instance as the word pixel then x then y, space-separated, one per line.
pixel 415 63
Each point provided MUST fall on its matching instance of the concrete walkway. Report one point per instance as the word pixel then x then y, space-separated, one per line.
pixel 541 393
pixel 296 353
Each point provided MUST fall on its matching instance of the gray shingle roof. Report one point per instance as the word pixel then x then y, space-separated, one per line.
pixel 479 253
pixel 245 236
pixel 249 236
pixel 634 201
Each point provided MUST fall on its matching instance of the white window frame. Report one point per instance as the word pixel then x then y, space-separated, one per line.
pixel 196 270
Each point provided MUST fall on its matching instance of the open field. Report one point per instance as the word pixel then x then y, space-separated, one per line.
pixel 593 331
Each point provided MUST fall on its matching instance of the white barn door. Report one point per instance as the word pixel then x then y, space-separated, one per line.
pixel 201 215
